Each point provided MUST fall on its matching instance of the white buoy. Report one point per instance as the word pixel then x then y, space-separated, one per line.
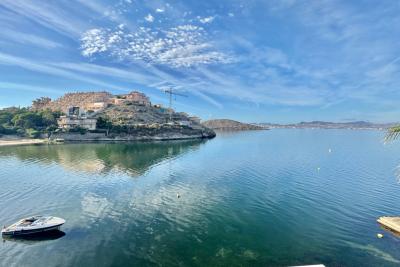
pixel 178 196
pixel 318 169
pixel 379 235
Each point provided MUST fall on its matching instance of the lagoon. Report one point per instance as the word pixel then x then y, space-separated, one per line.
pixel 259 198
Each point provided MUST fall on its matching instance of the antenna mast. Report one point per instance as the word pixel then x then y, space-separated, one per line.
pixel 171 93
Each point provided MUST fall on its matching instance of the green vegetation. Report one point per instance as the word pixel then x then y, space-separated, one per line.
pixel 78 129
pixel 28 123
pixel 392 134
pixel 105 124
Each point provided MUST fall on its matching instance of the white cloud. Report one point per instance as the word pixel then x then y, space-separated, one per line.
pixel 182 46
pixel 207 19
pixel 149 18
pixel 94 41
pixel 160 10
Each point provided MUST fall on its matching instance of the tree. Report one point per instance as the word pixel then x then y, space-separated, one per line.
pixel 5 118
pixel 49 117
pixel 40 103
pixel 28 120
pixel 104 123
pixel 32 133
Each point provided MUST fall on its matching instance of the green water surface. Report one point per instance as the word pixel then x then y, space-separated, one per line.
pixel 262 198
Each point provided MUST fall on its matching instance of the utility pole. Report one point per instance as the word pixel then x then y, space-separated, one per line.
pixel 171 93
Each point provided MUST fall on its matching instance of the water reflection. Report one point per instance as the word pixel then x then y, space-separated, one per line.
pixel 133 158
pixel 246 199
pixel 34 238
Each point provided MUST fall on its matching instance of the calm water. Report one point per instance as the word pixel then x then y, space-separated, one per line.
pixel 269 198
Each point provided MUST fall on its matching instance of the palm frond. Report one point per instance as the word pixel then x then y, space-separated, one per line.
pixel 392 134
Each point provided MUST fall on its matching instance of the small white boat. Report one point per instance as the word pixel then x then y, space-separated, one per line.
pixel 33 225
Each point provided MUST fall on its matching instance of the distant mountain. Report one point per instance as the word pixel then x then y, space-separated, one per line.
pixel 332 125
pixel 231 125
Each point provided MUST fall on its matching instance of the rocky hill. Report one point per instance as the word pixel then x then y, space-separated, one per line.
pixel 123 118
pixel 153 121
pixel 130 114
pixel 79 99
pixel 230 125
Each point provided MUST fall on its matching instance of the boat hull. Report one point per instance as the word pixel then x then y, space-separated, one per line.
pixel 31 231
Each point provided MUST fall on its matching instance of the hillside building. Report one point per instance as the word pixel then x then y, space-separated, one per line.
pixel 76 118
pixel 118 101
pixel 67 122
pixel 96 106
pixel 195 119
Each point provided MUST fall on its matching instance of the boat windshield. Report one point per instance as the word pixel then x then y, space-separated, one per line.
pixel 31 220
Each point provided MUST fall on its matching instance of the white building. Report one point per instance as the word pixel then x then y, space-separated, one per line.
pixel 66 122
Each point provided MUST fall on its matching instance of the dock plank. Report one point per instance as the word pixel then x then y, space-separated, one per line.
pixel 393 223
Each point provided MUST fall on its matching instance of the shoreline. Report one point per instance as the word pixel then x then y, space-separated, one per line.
pixel 78 138
pixel 86 138
pixel 21 142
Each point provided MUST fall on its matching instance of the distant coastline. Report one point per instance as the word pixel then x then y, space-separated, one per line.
pixel 356 125
pixel 231 125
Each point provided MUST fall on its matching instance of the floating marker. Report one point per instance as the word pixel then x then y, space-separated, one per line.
pixel 379 235
pixel 178 196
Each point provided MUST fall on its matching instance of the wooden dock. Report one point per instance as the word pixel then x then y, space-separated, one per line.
pixel 393 223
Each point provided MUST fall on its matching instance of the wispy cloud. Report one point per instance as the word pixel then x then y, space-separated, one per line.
pixel 24 63
pixel 47 15
pixel 29 88
pixel 136 74
pixel 28 39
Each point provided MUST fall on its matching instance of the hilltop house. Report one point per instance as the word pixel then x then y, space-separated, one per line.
pixel 139 98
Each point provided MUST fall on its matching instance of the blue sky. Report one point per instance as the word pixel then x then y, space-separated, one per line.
pixel 255 61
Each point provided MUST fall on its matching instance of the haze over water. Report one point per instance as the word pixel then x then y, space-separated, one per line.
pixel 264 198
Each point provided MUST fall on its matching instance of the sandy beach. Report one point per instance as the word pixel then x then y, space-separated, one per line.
pixel 17 142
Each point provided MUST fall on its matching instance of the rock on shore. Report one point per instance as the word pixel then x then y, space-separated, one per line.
pixel 163 132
